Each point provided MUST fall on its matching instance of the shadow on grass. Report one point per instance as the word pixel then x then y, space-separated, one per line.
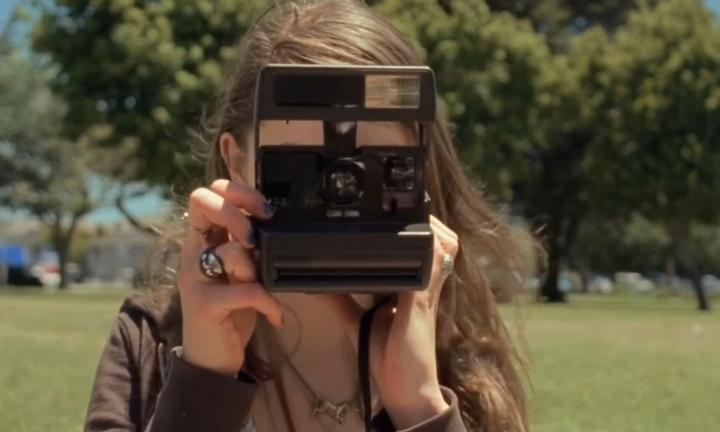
pixel 624 301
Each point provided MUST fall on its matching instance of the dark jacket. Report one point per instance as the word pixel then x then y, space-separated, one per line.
pixel 141 386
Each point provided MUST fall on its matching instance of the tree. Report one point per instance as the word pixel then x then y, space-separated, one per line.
pixel 150 65
pixel 55 180
pixel 148 68
pixel 517 112
pixel 664 93
pixel 561 20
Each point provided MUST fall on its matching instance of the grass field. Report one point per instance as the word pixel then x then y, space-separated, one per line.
pixel 598 364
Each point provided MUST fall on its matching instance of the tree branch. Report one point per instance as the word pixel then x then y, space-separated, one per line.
pixel 142 226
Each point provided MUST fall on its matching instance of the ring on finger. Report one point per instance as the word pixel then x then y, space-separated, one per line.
pixel 211 264
pixel 448 265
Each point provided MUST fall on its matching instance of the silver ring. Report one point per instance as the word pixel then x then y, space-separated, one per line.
pixel 211 265
pixel 448 264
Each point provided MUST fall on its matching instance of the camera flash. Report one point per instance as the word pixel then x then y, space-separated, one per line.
pixel 392 91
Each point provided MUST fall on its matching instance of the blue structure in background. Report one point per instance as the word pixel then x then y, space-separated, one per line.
pixel 15 265
pixel 14 256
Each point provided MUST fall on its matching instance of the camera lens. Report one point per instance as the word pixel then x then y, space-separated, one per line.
pixel 399 173
pixel 343 181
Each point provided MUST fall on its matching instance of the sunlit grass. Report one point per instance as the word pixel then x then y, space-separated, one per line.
pixel 621 363
pixel 624 364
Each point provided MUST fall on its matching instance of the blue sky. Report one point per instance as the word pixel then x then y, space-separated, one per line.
pixel 714 5
pixel 5 7
pixel 153 203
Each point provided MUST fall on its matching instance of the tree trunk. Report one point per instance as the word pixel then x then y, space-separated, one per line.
pixel 670 266
pixel 62 239
pixel 561 233
pixel 702 298
pixel 683 253
pixel 550 290
pixel 62 251
pixel 695 272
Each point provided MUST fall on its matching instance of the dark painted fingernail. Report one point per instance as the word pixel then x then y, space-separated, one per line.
pixel 252 237
pixel 269 209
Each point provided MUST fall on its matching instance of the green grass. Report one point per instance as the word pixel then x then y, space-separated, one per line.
pixel 49 347
pixel 599 364
pixel 624 364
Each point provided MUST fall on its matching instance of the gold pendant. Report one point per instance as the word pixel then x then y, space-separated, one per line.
pixel 336 412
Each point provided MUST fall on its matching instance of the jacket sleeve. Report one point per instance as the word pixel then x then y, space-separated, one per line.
pixel 191 399
pixel 448 421
pixel 197 399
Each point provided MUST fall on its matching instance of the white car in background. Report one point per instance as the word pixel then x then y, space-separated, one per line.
pixel 601 285
pixel 634 282
pixel 710 283
pixel 49 274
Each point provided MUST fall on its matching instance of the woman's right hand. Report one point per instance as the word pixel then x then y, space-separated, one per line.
pixel 219 317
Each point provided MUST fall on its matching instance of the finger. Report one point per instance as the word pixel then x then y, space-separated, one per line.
pixel 237 262
pixel 435 222
pixel 208 209
pixel 230 297
pixel 427 299
pixel 448 242
pixel 243 196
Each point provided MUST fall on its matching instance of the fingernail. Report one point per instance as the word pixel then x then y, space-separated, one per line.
pixel 268 208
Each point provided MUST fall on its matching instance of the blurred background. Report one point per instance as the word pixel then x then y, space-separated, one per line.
pixel 594 125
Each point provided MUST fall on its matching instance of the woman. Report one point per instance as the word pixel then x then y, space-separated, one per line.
pixel 201 355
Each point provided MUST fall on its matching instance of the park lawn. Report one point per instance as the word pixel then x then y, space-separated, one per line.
pixel 598 364
pixel 49 347
pixel 623 364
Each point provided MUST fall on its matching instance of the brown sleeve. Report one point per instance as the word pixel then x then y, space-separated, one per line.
pixel 114 398
pixel 197 399
pixel 192 398
pixel 448 421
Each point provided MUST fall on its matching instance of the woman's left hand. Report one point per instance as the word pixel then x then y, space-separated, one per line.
pixel 402 344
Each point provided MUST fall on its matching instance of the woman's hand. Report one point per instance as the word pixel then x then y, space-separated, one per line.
pixel 219 317
pixel 402 344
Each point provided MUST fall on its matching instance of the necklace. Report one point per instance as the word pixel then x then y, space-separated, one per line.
pixel 337 412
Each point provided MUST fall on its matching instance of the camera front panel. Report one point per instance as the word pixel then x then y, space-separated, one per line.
pixel 375 185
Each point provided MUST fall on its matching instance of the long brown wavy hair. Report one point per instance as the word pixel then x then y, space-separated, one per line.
pixel 476 356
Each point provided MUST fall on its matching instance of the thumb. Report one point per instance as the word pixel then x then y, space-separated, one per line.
pixel 349 312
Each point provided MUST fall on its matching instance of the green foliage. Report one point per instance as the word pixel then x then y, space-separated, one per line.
pixel 560 20
pixel 610 245
pixel 147 67
pixel 43 173
pixel 496 76
pixel 55 180
pixel 565 108
pixel 29 113
pixel 663 110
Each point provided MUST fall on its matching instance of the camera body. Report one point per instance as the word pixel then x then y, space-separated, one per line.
pixel 348 218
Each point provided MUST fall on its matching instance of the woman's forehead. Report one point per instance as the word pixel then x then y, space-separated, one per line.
pixel 310 132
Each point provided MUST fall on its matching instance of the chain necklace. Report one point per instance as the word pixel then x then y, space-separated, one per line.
pixel 337 412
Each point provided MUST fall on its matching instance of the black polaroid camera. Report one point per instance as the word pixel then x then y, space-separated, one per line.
pixel 348 218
